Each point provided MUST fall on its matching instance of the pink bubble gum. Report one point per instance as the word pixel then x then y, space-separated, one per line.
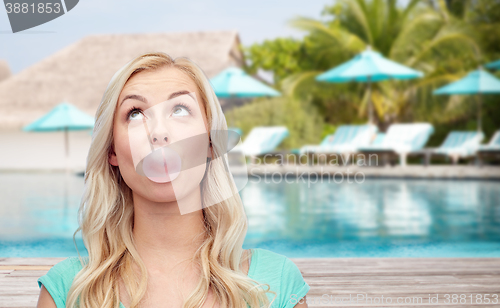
pixel 163 165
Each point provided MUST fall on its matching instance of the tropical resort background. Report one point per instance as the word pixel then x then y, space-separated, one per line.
pixel 415 84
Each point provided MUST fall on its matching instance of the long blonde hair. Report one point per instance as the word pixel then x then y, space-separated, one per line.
pixel 106 214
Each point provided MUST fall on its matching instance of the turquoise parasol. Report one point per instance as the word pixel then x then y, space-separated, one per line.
pixel 62 117
pixel 368 66
pixel 234 82
pixel 476 82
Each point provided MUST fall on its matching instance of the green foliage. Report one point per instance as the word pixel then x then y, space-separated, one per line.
pixel 304 123
pixel 445 39
pixel 282 56
pixel 484 16
pixel 417 35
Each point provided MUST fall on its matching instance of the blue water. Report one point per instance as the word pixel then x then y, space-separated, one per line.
pixel 376 218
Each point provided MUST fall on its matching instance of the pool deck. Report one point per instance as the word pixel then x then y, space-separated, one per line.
pixel 332 280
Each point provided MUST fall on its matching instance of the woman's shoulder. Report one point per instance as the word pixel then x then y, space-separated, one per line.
pixel 59 278
pixel 267 255
pixel 267 259
pixel 282 275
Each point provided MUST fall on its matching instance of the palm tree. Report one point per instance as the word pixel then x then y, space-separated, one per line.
pixel 422 35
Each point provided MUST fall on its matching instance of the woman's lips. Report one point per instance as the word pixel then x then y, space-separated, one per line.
pixel 162 165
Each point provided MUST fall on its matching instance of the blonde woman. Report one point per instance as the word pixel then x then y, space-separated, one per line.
pixel 145 249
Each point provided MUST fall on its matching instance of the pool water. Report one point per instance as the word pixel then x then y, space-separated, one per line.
pixel 376 218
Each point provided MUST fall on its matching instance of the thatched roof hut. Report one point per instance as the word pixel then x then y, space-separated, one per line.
pixel 80 73
pixel 4 70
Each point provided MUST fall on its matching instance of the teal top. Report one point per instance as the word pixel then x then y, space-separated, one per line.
pixel 282 275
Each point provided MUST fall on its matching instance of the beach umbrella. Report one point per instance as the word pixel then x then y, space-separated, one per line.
pixel 368 66
pixel 234 82
pixel 63 117
pixel 476 82
pixel 493 65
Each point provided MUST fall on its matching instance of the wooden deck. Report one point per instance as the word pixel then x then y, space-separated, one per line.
pixel 332 280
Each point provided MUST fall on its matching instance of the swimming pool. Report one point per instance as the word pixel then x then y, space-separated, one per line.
pixel 376 218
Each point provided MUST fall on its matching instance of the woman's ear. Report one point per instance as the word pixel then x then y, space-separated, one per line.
pixel 112 156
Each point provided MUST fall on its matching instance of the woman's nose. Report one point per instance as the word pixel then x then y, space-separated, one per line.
pixel 160 139
pixel 157 141
pixel 159 135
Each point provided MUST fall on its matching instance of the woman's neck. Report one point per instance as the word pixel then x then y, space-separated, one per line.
pixel 162 234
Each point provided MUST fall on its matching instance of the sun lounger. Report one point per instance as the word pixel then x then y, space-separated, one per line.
pixel 493 145
pixel 460 144
pixel 262 140
pixel 379 138
pixel 345 141
pixel 492 149
pixel 400 140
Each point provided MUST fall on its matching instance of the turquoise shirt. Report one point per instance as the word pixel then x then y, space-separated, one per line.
pixel 282 275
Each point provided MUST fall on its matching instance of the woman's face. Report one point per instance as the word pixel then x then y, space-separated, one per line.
pixel 160 121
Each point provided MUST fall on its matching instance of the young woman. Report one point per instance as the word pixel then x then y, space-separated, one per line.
pixel 144 250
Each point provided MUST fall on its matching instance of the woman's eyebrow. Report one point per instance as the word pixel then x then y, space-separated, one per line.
pixel 136 97
pixel 144 100
pixel 179 93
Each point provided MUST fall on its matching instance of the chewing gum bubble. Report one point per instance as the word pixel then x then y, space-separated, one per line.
pixel 171 146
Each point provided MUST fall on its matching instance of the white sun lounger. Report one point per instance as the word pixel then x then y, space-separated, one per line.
pixel 262 140
pixel 460 144
pixel 401 140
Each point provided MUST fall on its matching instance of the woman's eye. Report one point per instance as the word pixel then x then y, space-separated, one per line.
pixel 135 115
pixel 180 111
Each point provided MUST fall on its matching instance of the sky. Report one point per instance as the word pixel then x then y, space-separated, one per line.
pixel 254 20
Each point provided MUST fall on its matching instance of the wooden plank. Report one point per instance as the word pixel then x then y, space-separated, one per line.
pixel 25 267
pixel 30 261
pixel 405 278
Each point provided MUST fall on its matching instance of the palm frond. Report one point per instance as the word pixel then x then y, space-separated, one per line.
pixel 291 84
